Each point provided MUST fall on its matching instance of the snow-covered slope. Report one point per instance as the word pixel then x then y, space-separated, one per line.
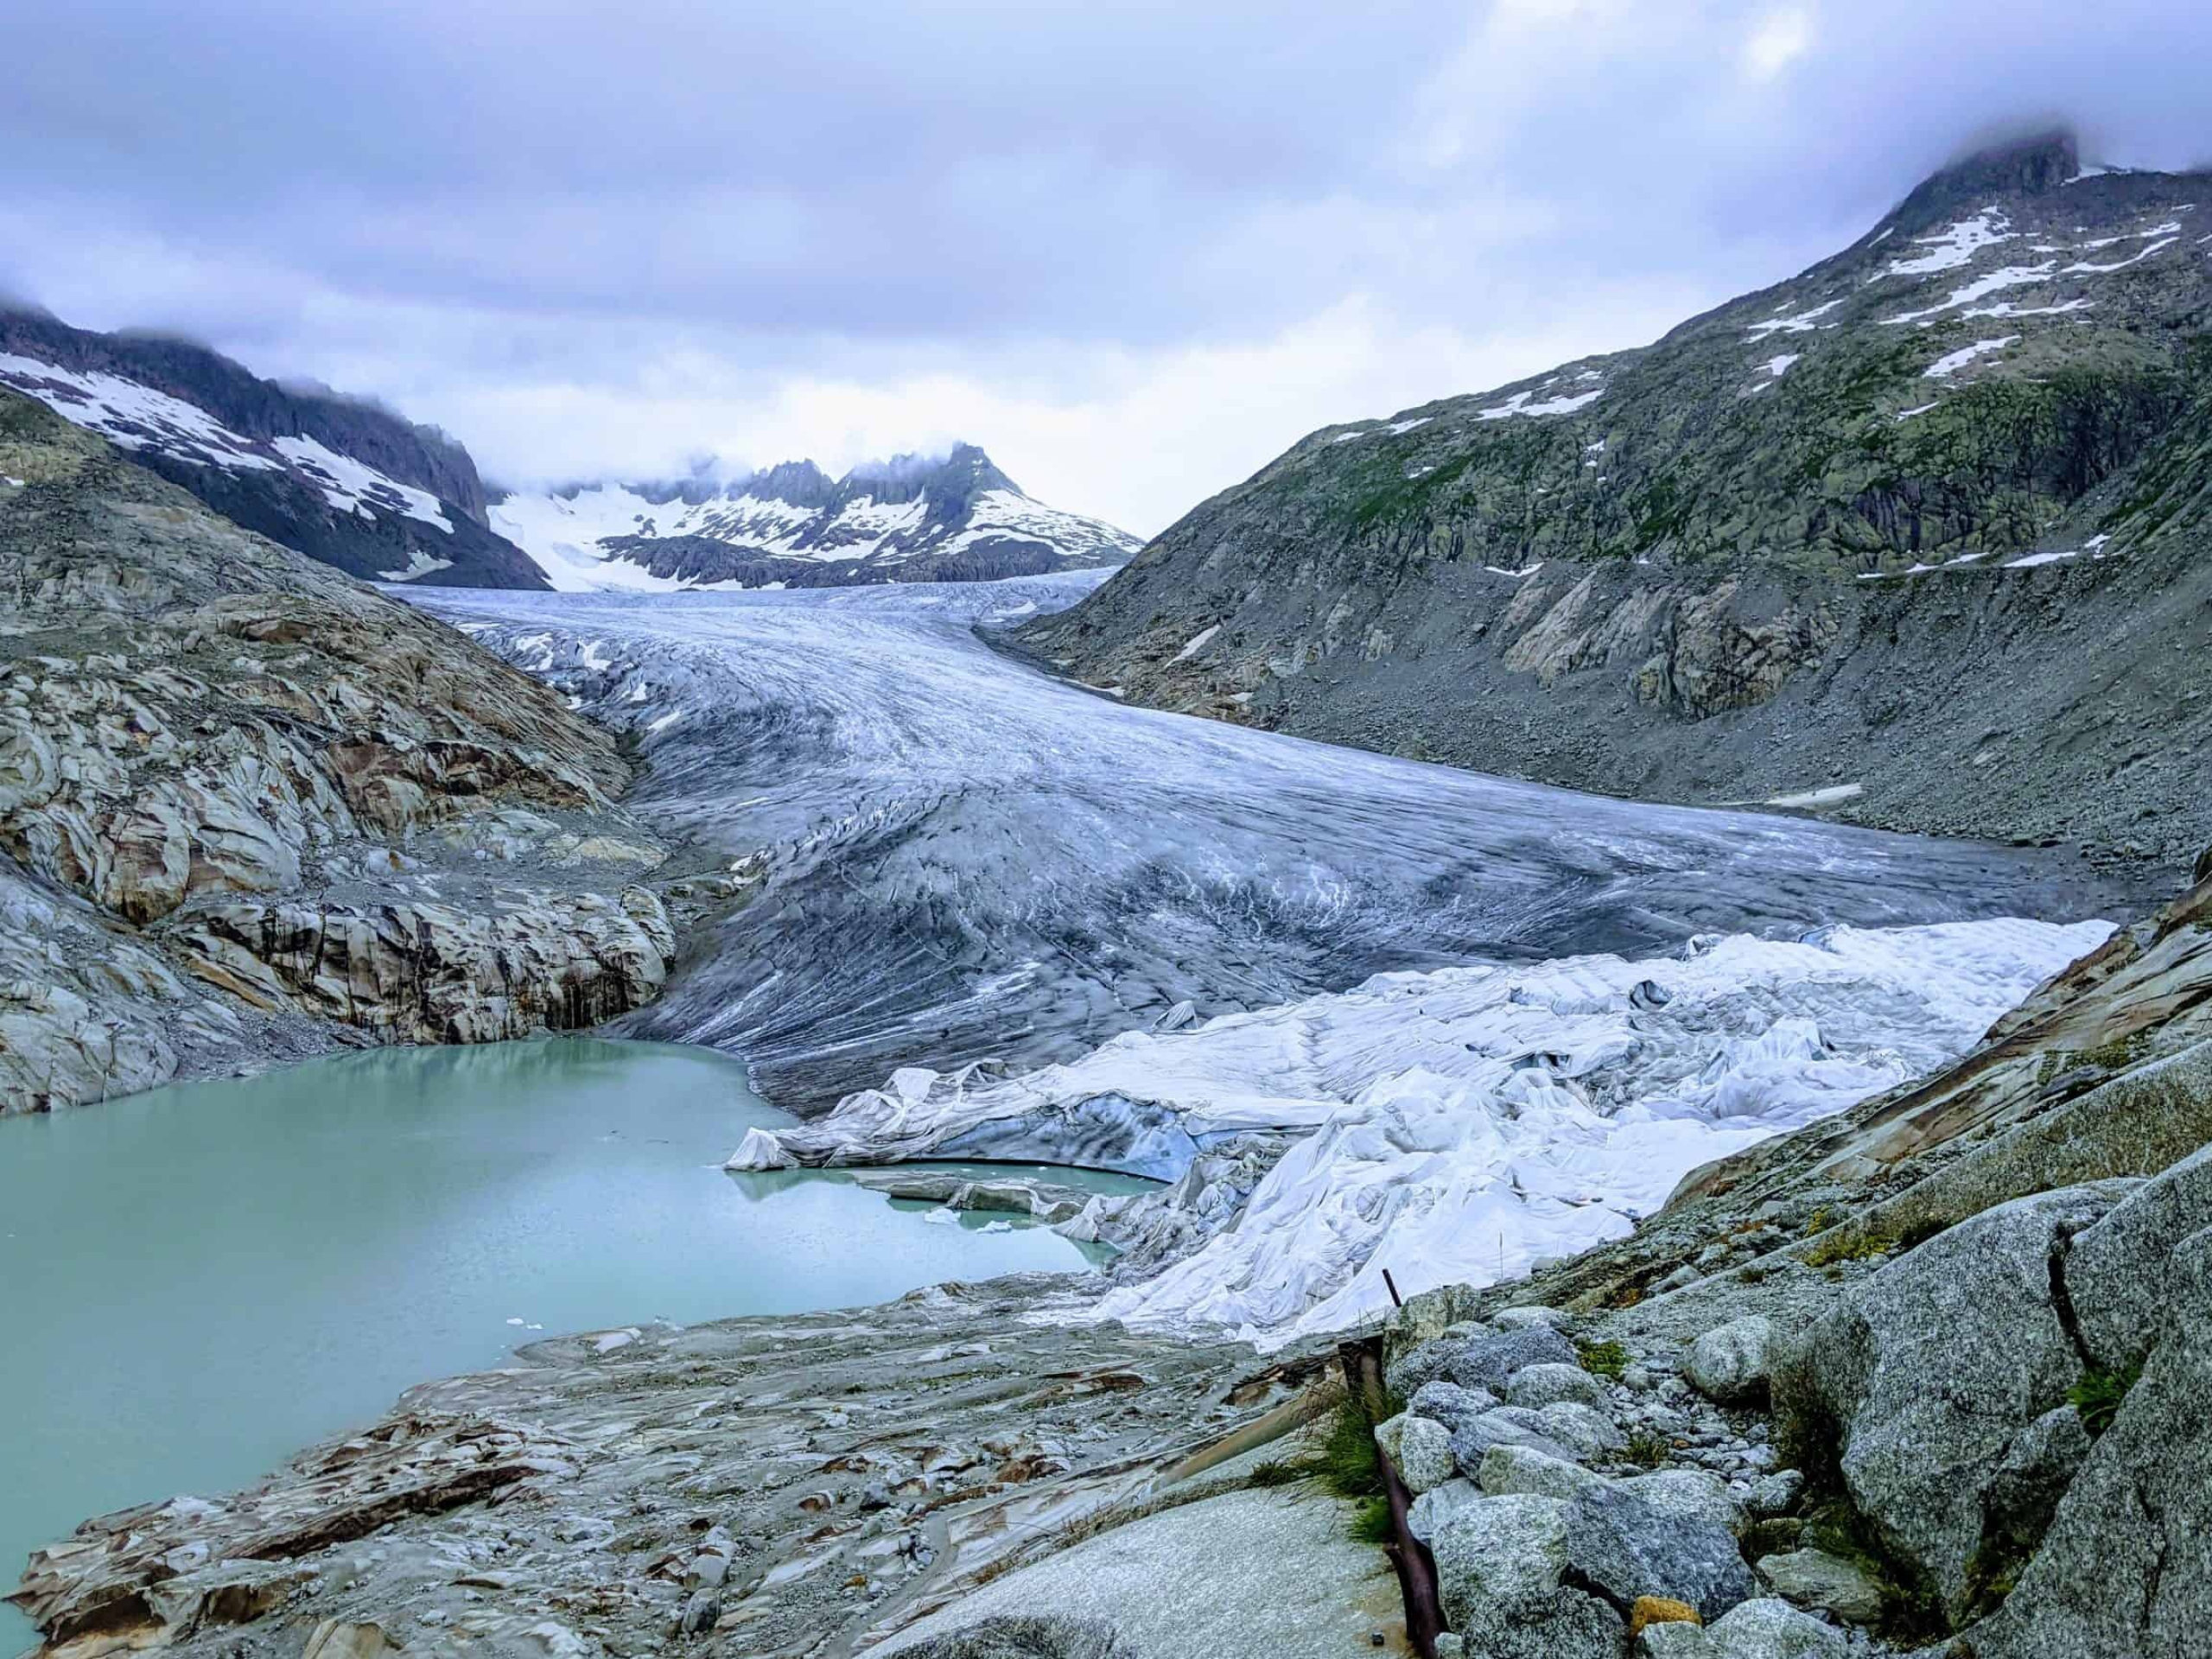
pixel 342 480
pixel 912 519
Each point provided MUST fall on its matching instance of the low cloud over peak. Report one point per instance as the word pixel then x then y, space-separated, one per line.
pixel 1134 249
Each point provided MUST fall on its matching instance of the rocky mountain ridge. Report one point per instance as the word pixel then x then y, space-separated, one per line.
pixel 911 519
pixel 1864 540
pixel 341 479
pixel 250 809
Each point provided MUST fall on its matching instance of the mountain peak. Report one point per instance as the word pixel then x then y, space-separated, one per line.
pixel 2030 165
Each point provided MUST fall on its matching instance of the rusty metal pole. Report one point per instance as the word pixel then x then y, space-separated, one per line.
pixel 1362 1361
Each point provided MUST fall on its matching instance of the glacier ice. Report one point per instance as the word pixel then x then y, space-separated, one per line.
pixel 1452 1126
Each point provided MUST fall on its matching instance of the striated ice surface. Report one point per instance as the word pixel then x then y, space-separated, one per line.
pixel 966 860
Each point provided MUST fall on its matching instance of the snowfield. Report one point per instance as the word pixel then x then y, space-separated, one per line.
pixel 1377 1013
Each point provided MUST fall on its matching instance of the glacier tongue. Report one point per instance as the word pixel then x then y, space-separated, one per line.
pixel 1452 1126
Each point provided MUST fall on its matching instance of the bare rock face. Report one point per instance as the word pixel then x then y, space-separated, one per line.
pixel 298 788
pixel 1925 1377
pixel 433 974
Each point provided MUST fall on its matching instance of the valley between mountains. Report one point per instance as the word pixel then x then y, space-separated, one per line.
pixel 1765 1204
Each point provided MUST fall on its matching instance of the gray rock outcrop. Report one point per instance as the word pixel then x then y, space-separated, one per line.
pixel 1916 1385
pixel 1501 1566
pixel 287 803
pixel 1729 1363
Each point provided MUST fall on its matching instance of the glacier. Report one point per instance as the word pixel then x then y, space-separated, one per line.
pixel 1358 1012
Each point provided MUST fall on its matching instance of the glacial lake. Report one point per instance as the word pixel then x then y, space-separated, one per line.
pixel 197 1282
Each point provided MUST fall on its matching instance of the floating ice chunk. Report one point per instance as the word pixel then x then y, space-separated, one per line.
pixel 760 1150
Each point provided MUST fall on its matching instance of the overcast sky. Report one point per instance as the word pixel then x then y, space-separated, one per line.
pixel 1135 248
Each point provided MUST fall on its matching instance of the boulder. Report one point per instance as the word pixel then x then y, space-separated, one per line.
pixel 334 1639
pixel 2115 1271
pixel 1449 1404
pixel 1774 1494
pixel 1424 1454
pixel 1549 1383
pixel 1500 1565
pixel 1912 1389
pixel 1658 1610
pixel 1506 1468
pixel 1473 1440
pixel 2023 1493
pixel 1729 1363
pixel 1635 1538
pixel 1480 1360
pixel 1587 1433
pixel 1825 1583
pixel 2125 1570
pixel 1520 1318
pixel 1773 1630
pixel 1692 1492
pixel 1434 1508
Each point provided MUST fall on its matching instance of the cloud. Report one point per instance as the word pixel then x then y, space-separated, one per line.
pixel 1134 247
pixel 1777 41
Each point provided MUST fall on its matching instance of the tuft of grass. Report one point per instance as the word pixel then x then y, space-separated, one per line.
pixel 1278 1474
pixel 1370 1523
pixel 1349 1463
pixel 2098 1395
pixel 1647 1450
pixel 1607 1359
pixel 1847 1246
pixel 1912 1610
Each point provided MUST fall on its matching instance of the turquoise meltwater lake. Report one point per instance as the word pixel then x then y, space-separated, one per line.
pixel 197 1282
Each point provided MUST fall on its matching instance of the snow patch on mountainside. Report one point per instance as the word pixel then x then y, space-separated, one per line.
pixel 143 421
pixel 351 486
pixel 132 417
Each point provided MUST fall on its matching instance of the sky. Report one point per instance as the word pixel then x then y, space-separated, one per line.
pixel 1134 248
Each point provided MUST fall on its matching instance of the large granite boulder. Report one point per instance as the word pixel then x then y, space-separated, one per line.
pixel 1550 1383
pixel 1450 1404
pixel 1501 1570
pixel 1729 1363
pixel 1479 1359
pixel 2125 1571
pixel 2116 1270
pixel 1912 1390
pixel 1632 1538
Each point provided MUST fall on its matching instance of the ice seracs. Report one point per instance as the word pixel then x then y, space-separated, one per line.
pixel 1452 1126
